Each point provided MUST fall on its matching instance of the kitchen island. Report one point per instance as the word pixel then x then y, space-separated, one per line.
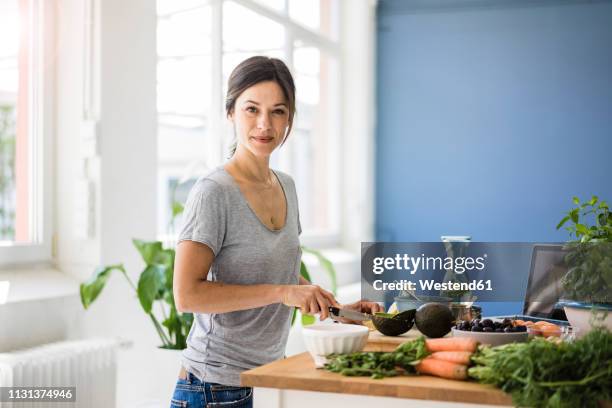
pixel 295 382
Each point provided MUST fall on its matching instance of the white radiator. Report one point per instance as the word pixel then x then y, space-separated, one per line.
pixel 89 365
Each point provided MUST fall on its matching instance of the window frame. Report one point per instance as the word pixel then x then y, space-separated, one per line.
pixel 40 138
pixel 293 31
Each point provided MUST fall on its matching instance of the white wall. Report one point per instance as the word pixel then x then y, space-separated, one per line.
pixel 358 38
pixel 124 178
pixel 124 175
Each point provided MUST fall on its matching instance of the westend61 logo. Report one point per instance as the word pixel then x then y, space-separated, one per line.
pixel 413 264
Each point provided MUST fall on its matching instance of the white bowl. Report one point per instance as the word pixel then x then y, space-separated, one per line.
pixel 337 338
pixel 492 339
pixel 581 315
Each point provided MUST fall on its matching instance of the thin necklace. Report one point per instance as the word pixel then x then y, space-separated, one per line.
pixel 268 185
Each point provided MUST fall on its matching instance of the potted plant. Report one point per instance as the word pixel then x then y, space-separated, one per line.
pixel 586 285
pixel 154 285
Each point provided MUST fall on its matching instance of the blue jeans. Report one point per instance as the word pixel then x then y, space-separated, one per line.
pixel 193 393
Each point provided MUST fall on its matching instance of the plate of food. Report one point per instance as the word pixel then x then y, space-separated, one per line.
pixel 491 332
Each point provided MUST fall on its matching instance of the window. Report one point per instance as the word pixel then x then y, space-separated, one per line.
pixel 199 44
pixel 24 217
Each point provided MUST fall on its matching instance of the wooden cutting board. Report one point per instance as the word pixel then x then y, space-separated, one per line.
pixel 380 342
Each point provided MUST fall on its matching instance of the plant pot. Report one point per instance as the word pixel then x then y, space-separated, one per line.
pixel 586 316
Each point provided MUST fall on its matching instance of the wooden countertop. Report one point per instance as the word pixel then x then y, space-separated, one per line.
pixel 299 373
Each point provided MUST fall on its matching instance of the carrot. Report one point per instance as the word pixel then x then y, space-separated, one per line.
pixel 451 344
pixel 458 357
pixel 550 330
pixel 441 368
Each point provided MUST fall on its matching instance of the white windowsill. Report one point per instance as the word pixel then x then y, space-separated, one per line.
pixel 35 283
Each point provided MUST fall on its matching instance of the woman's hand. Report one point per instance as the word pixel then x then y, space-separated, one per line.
pixel 311 299
pixel 362 306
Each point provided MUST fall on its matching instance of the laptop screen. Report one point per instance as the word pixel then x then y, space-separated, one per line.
pixel 544 287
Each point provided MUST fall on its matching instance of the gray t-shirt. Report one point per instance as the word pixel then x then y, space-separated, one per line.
pixel 222 345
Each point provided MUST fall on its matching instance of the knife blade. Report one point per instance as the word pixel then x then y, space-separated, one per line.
pixel 335 313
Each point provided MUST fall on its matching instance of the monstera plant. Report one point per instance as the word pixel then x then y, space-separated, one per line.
pixel 154 286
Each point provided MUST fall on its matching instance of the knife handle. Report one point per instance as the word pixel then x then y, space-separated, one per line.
pixel 334 311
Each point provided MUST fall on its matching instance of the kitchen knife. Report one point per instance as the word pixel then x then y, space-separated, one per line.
pixel 335 313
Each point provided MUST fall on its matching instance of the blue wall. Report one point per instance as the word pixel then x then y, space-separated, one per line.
pixel 490 118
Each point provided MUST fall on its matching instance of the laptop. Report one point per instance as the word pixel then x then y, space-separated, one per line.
pixel 544 288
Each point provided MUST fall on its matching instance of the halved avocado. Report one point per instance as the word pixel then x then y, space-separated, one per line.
pixel 387 315
pixel 394 324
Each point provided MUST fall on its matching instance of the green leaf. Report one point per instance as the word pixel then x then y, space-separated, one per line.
pixel 177 208
pixel 187 319
pixel 173 324
pixel 169 277
pixel 576 200
pixel 563 221
pixel 307 320
pixel 166 257
pixel 151 281
pixel 601 219
pixel 593 200
pixel 582 229
pixel 91 289
pixel 149 250
pixel 304 271
pixel 574 215
pixel 168 297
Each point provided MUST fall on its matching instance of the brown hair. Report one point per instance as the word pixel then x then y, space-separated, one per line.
pixel 258 69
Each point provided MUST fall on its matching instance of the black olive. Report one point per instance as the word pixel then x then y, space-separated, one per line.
pixel 487 329
pixel 509 329
pixel 499 330
pixel 476 328
pixel 487 323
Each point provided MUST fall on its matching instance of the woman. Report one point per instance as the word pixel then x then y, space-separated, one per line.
pixel 238 259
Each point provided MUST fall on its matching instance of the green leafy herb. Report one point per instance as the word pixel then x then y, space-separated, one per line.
pixel 379 364
pixel 542 373
pixel 590 255
pixel 589 274
pixel 598 211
